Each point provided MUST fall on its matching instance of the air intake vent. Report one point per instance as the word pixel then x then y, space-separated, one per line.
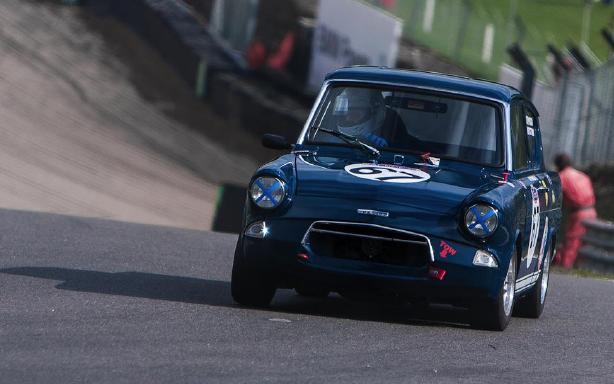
pixel 369 242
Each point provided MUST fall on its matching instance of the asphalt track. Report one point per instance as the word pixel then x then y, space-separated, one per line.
pixel 91 300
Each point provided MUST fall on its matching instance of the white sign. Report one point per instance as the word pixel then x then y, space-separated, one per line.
pixel 350 32
pixel 387 173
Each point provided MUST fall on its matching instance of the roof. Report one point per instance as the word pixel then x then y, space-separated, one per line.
pixel 430 80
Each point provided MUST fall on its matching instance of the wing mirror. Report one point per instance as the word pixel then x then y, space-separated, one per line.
pixel 275 142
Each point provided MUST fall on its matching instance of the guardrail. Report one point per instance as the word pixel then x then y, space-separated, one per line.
pixel 597 253
pixel 186 44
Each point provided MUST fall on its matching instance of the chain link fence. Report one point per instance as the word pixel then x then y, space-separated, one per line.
pixel 577 114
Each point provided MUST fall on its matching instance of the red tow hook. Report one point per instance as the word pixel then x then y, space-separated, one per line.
pixel 506 176
pixel 503 179
pixel 437 273
pixel 303 257
pixel 426 157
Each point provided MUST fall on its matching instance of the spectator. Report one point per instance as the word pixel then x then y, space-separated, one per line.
pixel 579 205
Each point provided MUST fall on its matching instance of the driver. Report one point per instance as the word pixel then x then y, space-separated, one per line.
pixel 364 115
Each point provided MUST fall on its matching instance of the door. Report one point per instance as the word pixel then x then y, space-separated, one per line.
pixel 527 167
pixel 542 188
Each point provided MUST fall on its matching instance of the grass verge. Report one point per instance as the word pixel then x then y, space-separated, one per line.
pixel 583 273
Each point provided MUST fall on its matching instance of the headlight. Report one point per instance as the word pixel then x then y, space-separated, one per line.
pixel 481 220
pixel 484 259
pixel 267 192
pixel 258 230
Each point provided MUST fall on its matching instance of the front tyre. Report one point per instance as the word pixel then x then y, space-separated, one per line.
pixel 249 286
pixel 532 305
pixel 495 315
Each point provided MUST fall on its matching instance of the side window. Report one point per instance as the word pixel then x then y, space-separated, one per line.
pixel 532 125
pixel 519 137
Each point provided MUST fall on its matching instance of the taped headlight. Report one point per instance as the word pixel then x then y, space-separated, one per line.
pixel 481 220
pixel 267 192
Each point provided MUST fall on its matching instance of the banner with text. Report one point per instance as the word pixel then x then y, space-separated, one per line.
pixel 351 32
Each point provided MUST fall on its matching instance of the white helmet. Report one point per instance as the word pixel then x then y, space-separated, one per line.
pixel 360 110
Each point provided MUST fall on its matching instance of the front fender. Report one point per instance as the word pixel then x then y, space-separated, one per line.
pixel 508 199
pixel 283 168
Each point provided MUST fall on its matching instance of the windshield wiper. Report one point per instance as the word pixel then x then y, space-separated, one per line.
pixel 352 140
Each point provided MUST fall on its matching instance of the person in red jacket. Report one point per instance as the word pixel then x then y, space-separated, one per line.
pixel 578 202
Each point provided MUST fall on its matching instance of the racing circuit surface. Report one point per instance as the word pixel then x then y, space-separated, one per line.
pixel 90 300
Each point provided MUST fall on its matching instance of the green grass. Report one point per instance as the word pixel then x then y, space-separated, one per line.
pixel 458 29
pixel 583 273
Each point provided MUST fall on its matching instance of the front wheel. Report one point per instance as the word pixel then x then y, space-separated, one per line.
pixel 532 305
pixel 496 314
pixel 249 286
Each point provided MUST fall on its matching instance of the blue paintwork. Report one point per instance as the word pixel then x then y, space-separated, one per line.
pixel 320 189
pixel 448 83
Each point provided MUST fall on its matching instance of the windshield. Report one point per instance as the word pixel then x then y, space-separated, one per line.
pixel 404 121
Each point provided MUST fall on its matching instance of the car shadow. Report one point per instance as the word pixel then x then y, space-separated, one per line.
pixel 217 293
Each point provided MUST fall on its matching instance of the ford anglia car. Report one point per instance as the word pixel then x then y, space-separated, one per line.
pixel 417 186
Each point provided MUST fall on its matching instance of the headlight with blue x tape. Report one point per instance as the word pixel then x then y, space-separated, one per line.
pixel 481 220
pixel 267 192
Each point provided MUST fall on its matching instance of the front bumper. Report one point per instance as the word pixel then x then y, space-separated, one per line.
pixel 277 256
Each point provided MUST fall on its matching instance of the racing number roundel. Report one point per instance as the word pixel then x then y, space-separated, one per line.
pixel 387 173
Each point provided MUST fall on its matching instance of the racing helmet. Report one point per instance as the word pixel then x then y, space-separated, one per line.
pixel 357 106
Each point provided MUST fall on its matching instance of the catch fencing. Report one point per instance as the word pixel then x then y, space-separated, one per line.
pixel 477 33
pixel 577 113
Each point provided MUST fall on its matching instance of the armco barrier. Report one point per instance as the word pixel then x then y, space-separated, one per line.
pixel 171 27
pixel 597 253
pixel 184 42
pixel 251 108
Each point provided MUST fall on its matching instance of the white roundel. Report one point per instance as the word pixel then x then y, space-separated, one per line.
pixel 387 173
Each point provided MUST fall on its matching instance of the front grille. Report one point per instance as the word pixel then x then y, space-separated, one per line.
pixel 369 242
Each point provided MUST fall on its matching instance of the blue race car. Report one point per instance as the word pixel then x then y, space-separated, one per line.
pixel 417 186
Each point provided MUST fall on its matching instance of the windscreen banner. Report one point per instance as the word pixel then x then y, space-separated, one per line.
pixel 351 32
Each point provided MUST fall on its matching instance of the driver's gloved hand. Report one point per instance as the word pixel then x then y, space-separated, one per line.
pixel 378 141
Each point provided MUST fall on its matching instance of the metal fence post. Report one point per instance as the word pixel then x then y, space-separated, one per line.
pixel 609 119
pixel 560 111
pixel 587 142
pixel 200 88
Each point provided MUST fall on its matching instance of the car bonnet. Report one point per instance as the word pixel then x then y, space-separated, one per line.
pixel 421 187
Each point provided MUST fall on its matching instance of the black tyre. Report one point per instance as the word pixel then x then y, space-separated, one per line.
pixel 532 305
pixel 249 286
pixel 495 315
pixel 317 293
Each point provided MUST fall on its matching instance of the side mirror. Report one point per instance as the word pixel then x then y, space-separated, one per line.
pixel 275 142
